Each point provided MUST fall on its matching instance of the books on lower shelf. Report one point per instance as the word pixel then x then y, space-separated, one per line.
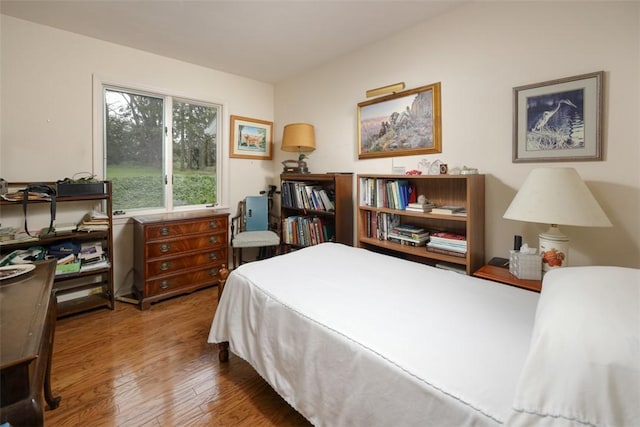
pixel 307 230
pixel 447 243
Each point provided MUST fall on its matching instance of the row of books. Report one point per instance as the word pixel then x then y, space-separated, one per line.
pixel 387 193
pixel 400 194
pixel 307 230
pixel 303 195
pixel 378 225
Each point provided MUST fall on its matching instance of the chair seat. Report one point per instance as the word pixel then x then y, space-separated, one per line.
pixel 252 239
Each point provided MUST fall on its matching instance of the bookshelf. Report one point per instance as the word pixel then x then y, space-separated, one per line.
pixel 466 191
pixel 304 219
pixel 84 289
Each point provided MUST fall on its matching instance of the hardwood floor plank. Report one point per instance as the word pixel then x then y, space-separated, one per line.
pixel 155 368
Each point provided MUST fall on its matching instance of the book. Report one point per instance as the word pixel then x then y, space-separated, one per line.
pixel 439 250
pixel 447 210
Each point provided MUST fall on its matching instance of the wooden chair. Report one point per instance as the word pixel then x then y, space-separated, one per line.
pixel 254 226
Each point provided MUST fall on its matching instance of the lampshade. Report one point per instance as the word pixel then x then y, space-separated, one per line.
pixel 556 196
pixel 298 137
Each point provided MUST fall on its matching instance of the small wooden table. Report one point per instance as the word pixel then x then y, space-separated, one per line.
pixel 502 275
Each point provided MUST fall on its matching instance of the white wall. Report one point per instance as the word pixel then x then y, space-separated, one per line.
pixel 480 52
pixel 46 111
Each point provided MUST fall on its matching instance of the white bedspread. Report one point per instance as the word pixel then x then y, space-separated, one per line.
pixel 353 338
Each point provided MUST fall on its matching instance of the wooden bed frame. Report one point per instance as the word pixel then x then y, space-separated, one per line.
pixel 223 347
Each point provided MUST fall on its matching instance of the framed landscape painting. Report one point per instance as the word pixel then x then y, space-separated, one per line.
pixel 251 138
pixel 559 120
pixel 401 124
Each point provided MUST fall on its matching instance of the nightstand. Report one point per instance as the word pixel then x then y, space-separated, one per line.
pixel 502 275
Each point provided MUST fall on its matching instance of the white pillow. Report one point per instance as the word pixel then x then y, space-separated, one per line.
pixel 583 366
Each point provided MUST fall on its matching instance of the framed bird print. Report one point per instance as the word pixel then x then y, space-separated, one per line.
pixel 559 120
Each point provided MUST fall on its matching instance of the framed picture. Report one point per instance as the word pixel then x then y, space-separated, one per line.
pixel 251 138
pixel 401 124
pixel 559 120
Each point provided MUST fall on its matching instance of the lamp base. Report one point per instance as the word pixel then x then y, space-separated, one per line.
pixel 295 166
pixel 554 248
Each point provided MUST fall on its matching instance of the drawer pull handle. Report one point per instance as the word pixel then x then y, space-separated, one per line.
pixel 213 256
pixel 164 231
pixel 164 248
pixel 213 239
pixel 164 266
pixel 164 284
pixel 213 224
pixel 213 272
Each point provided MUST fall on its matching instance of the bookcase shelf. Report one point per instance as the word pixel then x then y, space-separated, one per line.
pixel 84 290
pixel 338 222
pixel 466 191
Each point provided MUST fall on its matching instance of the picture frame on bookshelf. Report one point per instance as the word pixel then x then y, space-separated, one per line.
pixel 251 138
pixel 559 120
pixel 401 124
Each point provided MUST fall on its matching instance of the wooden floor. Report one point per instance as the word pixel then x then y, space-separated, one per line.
pixel 154 368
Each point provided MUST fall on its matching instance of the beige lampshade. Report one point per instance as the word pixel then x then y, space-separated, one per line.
pixel 556 196
pixel 298 137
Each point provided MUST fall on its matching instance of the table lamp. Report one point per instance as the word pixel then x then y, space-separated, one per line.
pixel 298 137
pixel 556 196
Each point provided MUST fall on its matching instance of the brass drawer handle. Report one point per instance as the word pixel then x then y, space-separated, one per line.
pixel 213 239
pixel 164 284
pixel 213 224
pixel 164 231
pixel 164 266
pixel 213 272
pixel 164 248
pixel 213 255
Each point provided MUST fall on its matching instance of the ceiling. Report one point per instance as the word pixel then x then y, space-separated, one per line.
pixel 265 40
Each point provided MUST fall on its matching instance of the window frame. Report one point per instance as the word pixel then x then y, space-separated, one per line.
pixel 168 96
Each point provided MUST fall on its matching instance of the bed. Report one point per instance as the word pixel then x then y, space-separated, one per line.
pixel 349 337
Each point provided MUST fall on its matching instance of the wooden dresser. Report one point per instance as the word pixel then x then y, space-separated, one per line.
pixel 28 309
pixel 177 253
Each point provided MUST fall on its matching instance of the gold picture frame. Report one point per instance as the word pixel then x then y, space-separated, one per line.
pixel 250 138
pixel 401 124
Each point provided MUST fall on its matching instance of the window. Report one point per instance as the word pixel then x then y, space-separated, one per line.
pixel 160 152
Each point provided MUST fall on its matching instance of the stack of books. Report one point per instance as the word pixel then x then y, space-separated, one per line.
pixel 420 207
pixel 448 243
pixel 94 221
pixel 407 234
pixel 92 257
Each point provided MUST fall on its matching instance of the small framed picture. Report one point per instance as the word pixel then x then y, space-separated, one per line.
pixel 559 120
pixel 251 138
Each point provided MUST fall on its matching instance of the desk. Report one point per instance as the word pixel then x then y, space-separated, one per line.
pixel 27 328
pixel 502 275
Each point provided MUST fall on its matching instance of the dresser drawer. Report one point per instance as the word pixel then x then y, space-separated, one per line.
pixel 181 228
pixel 173 265
pixel 208 275
pixel 176 246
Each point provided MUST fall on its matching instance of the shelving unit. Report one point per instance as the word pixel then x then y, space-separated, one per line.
pixel 338 222
pixel 459 190
pixel 93 289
